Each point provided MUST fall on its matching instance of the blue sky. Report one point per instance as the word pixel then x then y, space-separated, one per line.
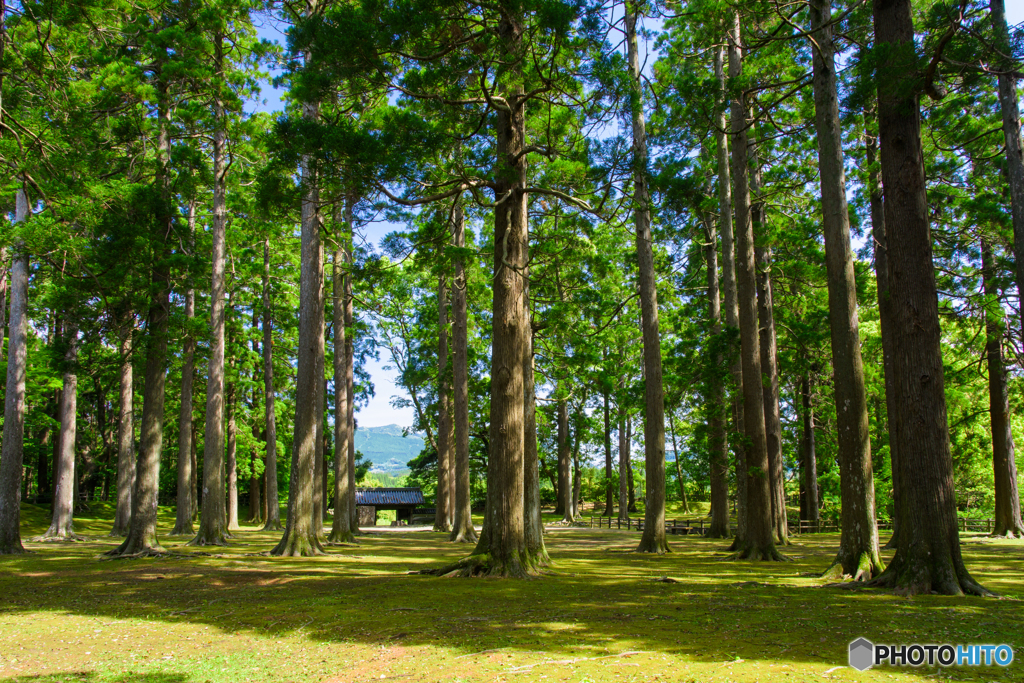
pixel 379 412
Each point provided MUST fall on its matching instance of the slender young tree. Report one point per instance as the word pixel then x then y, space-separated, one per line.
pixel 463 530
pixel 62 527
pixel 13 447
pixel 879 250
pixel 858 554
pixel 564 470
pixel 732 311
pixel 142 539
pixel 444 418
pixel 341 526
pixel 1010 110
pixel 809 457
pixel 757 542
pixel 183 513
pixel 718 438
pixel 928 557
pixel 653 538
pixel 1007 513
pixel 125 431
pixel 769 355
pixel 213 525
pixel 273 516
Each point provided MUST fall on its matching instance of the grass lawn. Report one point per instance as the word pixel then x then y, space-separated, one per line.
pixel 357 615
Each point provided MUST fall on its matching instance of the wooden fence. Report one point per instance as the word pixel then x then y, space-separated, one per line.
pixel 700 526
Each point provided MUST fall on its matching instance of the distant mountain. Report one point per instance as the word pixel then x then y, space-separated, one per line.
pixel 386 448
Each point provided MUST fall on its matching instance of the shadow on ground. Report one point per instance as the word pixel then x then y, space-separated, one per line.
pixel 357 614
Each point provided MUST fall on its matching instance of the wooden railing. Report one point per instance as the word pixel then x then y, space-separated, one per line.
pixel 700 526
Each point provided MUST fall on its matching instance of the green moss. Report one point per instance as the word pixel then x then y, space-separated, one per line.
pixel 356 613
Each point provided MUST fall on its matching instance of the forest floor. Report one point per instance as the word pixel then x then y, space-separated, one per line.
pixel 357 615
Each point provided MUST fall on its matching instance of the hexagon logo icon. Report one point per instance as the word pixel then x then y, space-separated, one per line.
pixel 862 654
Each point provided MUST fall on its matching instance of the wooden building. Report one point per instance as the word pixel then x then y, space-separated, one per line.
pixel 403 500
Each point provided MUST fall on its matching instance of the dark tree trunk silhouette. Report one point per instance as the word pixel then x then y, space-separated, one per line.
pixel 564 464
pixel 183 511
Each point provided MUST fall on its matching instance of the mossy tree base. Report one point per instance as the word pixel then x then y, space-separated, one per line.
pixel 183 530
pixel 273 525
pixel 138 546
pixel 341 537
pixel 756 553
pixel 863 567
pixel 653 545
pixel 294 545
pixel 485 565
pixel 219 538
pixel 923 577
pixel 69 537
pixel 465 535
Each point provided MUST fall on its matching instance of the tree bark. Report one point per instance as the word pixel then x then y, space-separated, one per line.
pixel 273 522
pixel 732 311
pixel 125 432
pixel 927 555
pixel 142 539
pixel 609 493
pixel 231 460
pixel 319 464
pixel 353 517
pixel 758 542
pixel 532 520
pixel 213 527
pixel 769 354
pixel 1009 108
pixel 341 525
pixel 878 239
pixel 623 459
pixel 858 554
pixel 653 538
pixel 502 549
pixel 183 512
pixel 300 534
pixel 444 418
pixel 1007 513
pixel 718 441
pixel 12 453
pixel 631 485
pixel 463 530
pixel 62 526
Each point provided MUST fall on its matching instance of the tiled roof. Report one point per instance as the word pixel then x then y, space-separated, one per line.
pixel 380 497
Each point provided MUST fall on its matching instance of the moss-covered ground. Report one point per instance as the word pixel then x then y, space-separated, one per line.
pixel 358 615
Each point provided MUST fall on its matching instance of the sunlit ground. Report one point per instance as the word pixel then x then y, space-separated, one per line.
pixel 358 615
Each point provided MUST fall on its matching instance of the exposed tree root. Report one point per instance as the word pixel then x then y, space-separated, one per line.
pixel 219 540
pixel 653 546
pixel 341 536
pixel 294 545
pixel 757 554
pixel 71 537
pixel 467 535
pixel 273 526
pixel 921 581
pixel 183 530
pixel 483 566
pixel 132 551
pixel 863 570
pixel 1015 532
